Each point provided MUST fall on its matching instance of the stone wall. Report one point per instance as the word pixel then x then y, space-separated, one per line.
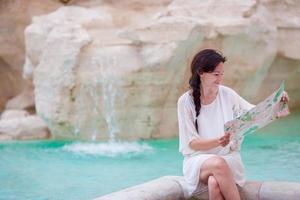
pixel 111 69
pixel 15 15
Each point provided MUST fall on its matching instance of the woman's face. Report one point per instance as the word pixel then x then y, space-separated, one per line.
pixel 213 79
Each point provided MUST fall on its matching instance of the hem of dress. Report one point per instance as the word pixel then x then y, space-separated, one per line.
pixel 202 187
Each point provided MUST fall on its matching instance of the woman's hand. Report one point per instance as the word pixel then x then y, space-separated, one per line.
pixel 224 140
pixel 285 97
pixel 284 111
pixel 235 145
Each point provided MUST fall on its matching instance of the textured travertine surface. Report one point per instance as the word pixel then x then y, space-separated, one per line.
pixel 23 128
pixel 111 69
pixel 15 15
pixel 175 188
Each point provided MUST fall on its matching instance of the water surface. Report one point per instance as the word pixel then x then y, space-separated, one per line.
pixel 84 170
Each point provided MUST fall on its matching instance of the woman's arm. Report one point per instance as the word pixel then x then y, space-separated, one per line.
pixel 202 144
pixel 188 135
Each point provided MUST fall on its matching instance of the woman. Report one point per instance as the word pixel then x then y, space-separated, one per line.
pixel 202 113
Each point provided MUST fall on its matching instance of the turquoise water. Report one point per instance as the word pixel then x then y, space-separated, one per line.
pixel 81 170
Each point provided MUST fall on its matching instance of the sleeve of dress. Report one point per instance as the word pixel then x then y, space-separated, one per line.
pixel 243 104
pixel 186 123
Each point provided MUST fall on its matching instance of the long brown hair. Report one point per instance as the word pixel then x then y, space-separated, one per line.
pixel 205 61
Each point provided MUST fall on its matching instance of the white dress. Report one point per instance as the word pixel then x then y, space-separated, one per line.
pixel 227 105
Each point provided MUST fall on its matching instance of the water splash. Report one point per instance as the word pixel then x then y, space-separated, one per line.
pixel 87 110
pixel 96 109
pixel 109 95
pixel 110 92
pixel 96 100
pixel 108 149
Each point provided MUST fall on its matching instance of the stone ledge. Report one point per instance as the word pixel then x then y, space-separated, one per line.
pixel 174 188
pixel 167 187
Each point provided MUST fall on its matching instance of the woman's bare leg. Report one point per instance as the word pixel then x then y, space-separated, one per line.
pixel 219 169
pixel 214 192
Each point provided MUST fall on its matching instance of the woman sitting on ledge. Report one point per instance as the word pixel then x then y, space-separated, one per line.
pixel 202 113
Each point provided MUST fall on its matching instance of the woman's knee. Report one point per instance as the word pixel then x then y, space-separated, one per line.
pixel 213 166
pixel 219 164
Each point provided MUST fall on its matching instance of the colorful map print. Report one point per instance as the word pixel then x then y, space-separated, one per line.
pixel 259 116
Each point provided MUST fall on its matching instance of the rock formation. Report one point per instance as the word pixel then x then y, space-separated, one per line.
pixel 15 15
pixel 115 69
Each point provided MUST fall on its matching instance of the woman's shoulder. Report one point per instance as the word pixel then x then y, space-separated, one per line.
pixel 227 90
pixel 186 97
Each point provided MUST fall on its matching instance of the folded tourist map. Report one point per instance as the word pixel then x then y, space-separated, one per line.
pixel 261 115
